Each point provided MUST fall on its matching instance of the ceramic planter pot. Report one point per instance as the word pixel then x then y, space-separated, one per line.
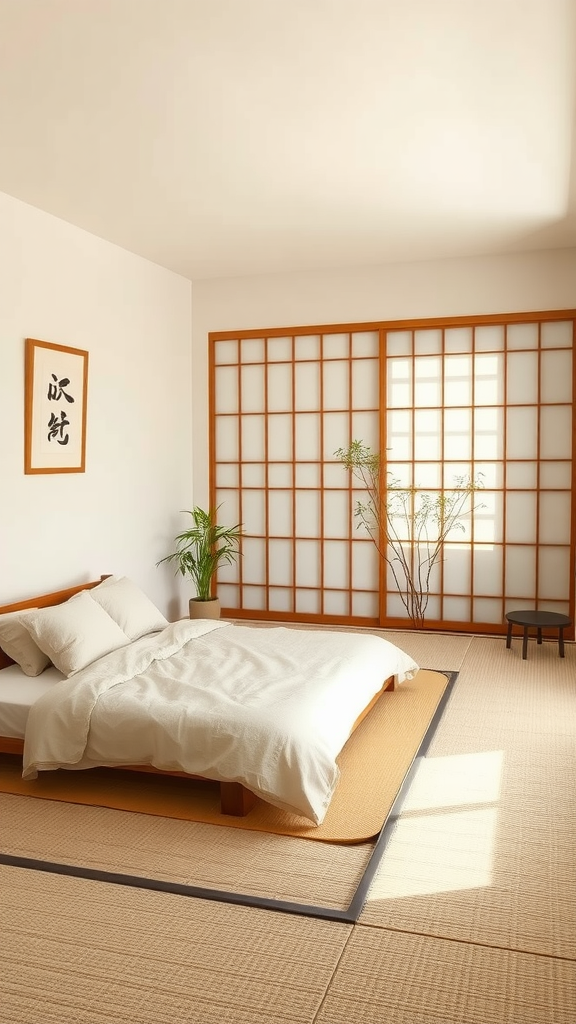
pixel 199 609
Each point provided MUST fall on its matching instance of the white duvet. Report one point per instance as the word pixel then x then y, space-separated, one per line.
pixel 268 707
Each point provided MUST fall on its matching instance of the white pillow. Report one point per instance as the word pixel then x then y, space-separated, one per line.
pixel 16 642
pixel 76 633
pixel 128 606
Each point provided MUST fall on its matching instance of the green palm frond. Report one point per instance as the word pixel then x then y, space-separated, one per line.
pixel 202 547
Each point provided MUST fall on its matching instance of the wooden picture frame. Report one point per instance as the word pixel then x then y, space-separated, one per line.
pixel 55 398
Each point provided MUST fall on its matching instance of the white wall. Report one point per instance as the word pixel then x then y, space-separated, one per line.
pixel 504 284
pixel 63 285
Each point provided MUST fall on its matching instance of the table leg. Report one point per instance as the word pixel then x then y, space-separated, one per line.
pixel 509 635
pixel 525 644
pixel 539 635
pixel 561 641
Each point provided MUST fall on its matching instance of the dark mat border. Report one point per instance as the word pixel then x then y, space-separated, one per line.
pixel 348 916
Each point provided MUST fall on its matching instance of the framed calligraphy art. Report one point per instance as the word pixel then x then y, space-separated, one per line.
pixel 55 393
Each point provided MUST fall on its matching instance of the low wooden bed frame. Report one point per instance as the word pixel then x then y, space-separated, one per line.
pixel 235 799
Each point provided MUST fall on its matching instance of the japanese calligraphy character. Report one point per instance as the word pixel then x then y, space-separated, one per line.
pixel 56 390
pixel 56 426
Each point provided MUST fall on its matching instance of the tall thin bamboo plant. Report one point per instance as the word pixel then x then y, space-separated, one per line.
pixel 408 526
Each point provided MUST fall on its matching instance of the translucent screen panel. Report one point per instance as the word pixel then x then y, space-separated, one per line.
pixel 308 563
pixel 488 380
pixel 487 569
pixel 521 518
pixel 556 475
pixel 280 474
pixel 520 565
pixel 521 476
pixel 226 389
pixel 336 384
pixel 522 432
pixel 399 377
pixel 427 434
pixel 522 336
pixel 227 475
pixel 253 560
pixel 557 334
pixel 428 382
pixel 365 344
pixel 554 509
pixel 365 425
pixel 458 434
pixel 556 374
pixel 457 380
pixel 227 439
pixel 399 343
pixel 280 513
pixel 279 394
pixel 486 610
pixel 253 438
pixel 336 564
pixel 279 437
pixel 308 513
pixel 556 432
pixel 279 350
pixel 337 432
pixel 489 338
pixel 458 339
pixel 457 569
pixel 307 474
pixel 307 347
pixel 254 474
pixel 488 436
pixel 554 573
pixel 429 341
pixel 307 387
pixel 254 512
pixel 252 350
pixel 280 600
pixel 252 389
pixel 230 500
pixel 365 384
pixel 337 518
pixel 365 566
pixel 481 399
pixel 522 379
pixel 307 437
pixel 281 563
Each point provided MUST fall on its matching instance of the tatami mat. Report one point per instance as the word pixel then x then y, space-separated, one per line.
pixel 190 853
pixel 469 921
pixel 413 979
pixel 81 952
pixel 484 848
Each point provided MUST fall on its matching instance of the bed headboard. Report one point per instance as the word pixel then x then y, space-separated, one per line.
pixel 44 601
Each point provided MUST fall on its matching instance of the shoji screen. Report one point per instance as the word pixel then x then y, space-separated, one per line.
pixel 484 397
pixel 282 405
pixel 493 402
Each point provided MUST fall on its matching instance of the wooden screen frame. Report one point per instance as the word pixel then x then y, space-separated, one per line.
pixel 503 320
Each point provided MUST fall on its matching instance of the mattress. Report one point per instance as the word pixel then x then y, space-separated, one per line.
pixel 17 694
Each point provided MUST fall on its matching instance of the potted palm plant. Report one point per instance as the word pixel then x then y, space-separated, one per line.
pixel 199 551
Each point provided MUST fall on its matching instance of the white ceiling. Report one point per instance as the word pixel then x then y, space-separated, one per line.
pixel 227 137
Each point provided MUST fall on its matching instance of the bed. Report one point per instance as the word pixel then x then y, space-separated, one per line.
pixel 101 678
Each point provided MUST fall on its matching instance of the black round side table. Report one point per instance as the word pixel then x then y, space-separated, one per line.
pixel 539 621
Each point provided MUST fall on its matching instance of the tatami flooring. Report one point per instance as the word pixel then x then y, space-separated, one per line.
pixel 470 920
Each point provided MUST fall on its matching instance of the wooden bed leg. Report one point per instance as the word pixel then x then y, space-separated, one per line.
pixel 235 799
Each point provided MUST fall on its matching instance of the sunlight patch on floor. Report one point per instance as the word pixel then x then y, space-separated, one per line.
pixel 462 779
pixel 444 841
